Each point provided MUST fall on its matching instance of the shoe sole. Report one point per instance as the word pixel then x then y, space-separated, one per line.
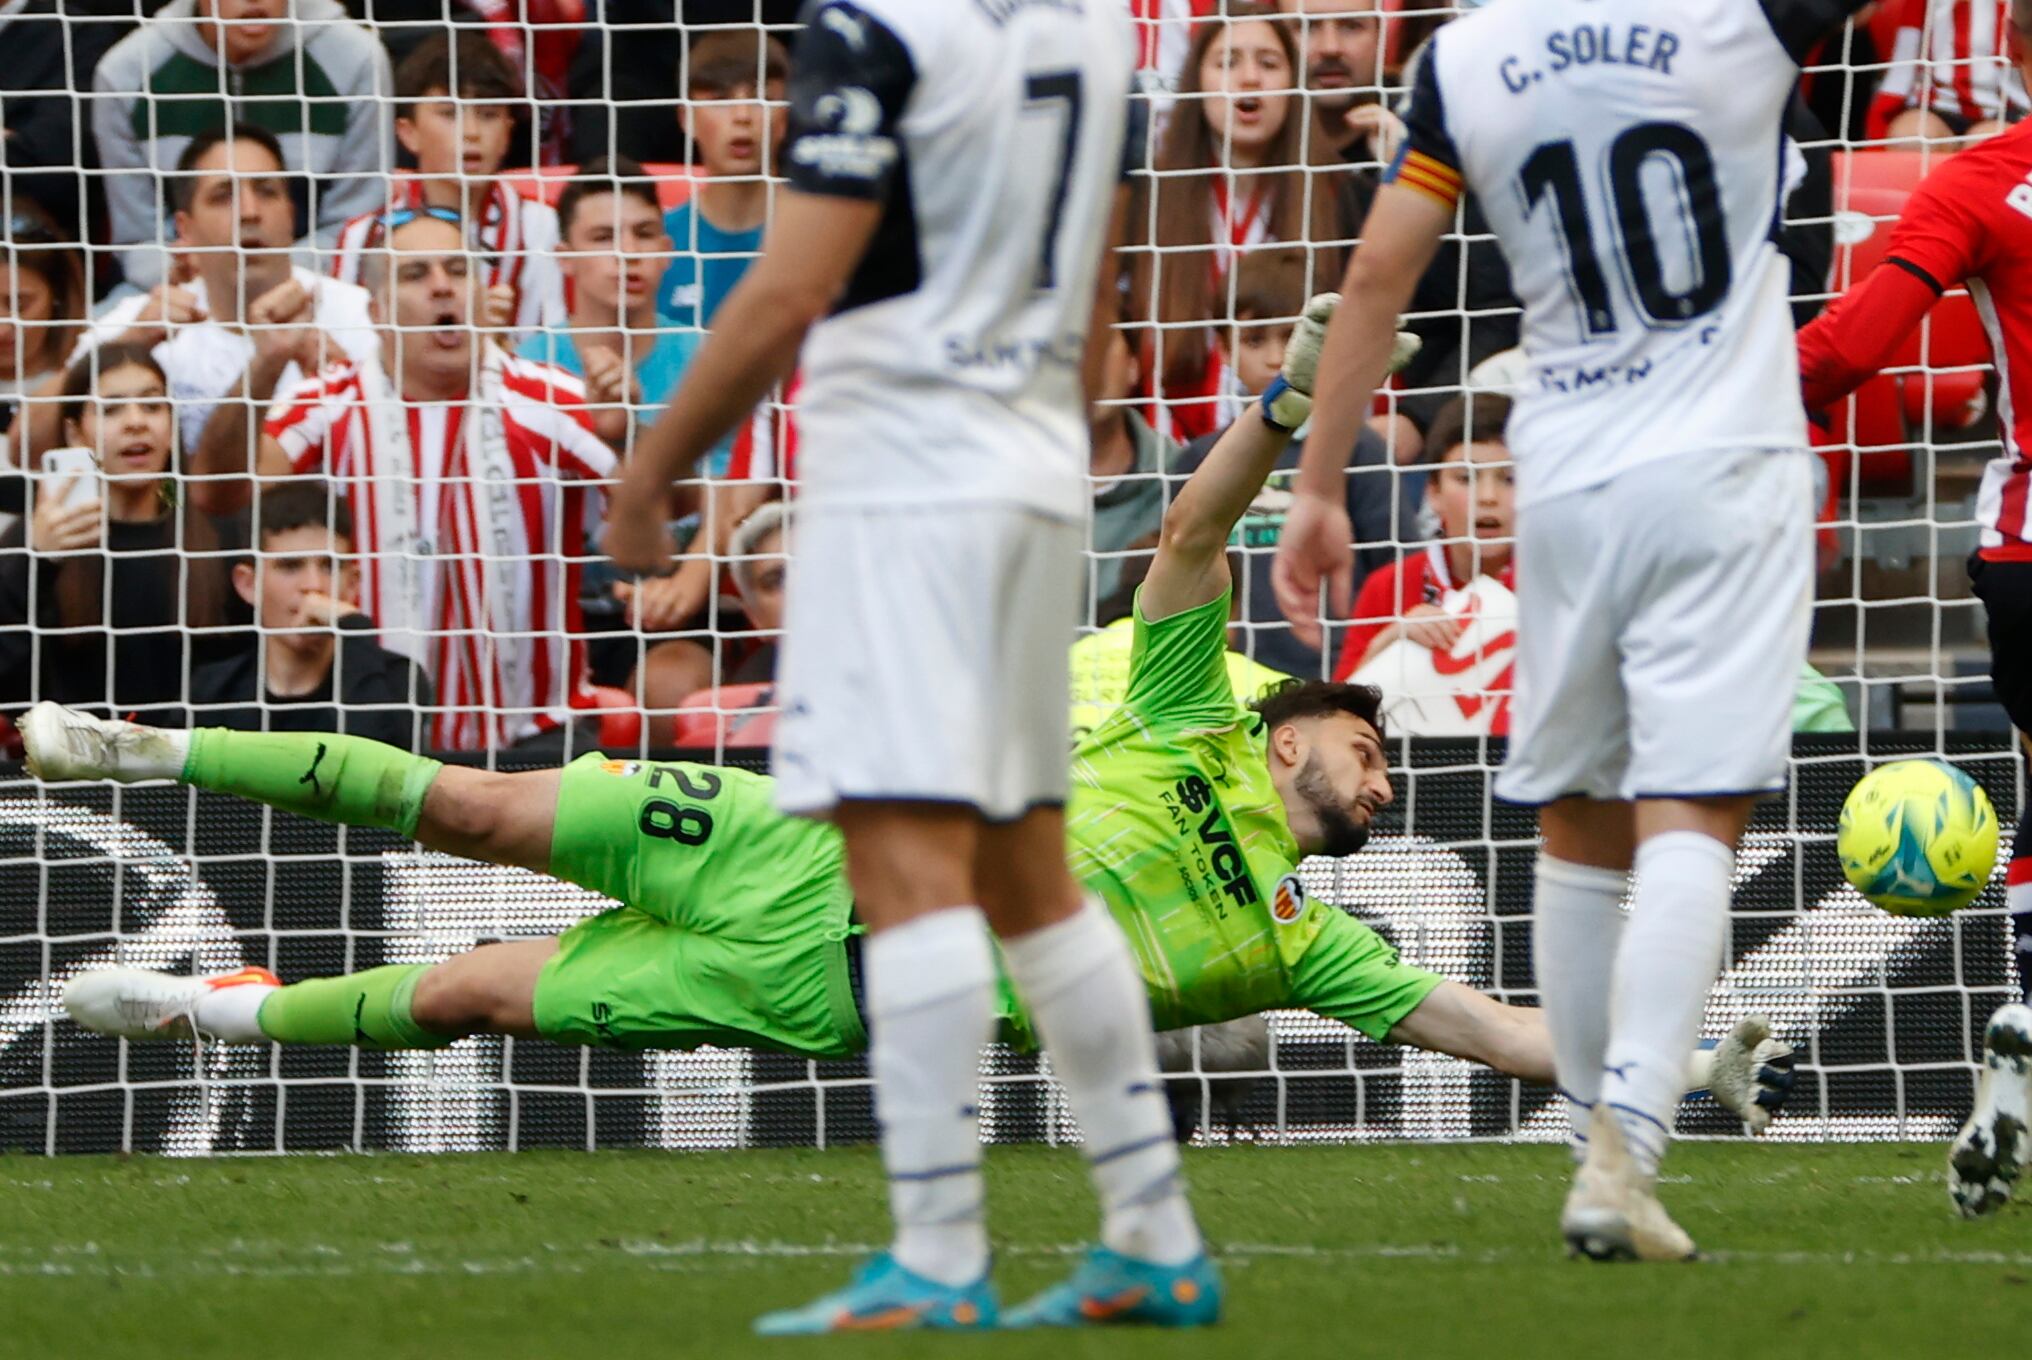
pixel 1992 1148
pixel 1606 1235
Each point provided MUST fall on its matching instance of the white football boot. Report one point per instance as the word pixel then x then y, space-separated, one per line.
pixel 1750 1074
pixel 62 743
pixel 133 1003
pixel 1612 1213
pixel 1992 1149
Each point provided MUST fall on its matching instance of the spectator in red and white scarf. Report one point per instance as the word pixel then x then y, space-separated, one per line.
pixel 1230 176
pixel 466 471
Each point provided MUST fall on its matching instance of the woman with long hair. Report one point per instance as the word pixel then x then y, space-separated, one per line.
pixel 42 309
pixel 1238 168
pixel 119 588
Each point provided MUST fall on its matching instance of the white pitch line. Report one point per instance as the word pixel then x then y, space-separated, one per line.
pixel 395 1259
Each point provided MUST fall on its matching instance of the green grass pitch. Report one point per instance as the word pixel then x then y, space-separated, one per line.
pixel 1398 1251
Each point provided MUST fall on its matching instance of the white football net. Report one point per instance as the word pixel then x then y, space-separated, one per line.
pixel 1886 1011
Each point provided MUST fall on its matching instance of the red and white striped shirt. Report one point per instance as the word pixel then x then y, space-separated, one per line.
pixel 1950 56
pixel 765 445
pixel 516 239
pixel 469 517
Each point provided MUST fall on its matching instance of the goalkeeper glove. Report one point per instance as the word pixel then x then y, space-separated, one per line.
pixel 1751 1073
pixel 1287 401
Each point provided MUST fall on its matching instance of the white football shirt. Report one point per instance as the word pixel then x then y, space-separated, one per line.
pixel 993 132
pixel 1630 158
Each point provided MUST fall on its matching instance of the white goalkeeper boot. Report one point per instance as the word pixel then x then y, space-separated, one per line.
pixel 1612 1213
pixel 133 1003
pixel 1992 1149
pixel 62 743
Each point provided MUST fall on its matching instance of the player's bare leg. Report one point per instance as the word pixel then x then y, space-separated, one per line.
pixel 929 973
pixel 1073 969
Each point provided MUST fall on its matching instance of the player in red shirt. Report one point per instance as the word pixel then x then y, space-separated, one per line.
pixel 1970 222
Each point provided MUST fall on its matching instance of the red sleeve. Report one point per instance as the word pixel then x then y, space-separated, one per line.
pixel 1376 608
pixel 1860 332
pixel 1940 233
pixel 1938 241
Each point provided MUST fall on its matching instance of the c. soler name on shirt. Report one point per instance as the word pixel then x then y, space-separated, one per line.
pixel 1639 45
pixel 1014 351
pixel 1217 855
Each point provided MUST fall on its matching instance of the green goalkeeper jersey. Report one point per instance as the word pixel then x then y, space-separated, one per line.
pixel 1175 822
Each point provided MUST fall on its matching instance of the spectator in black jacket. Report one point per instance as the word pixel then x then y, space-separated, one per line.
pixel 317 667
pixel 107 600
pixel 51 51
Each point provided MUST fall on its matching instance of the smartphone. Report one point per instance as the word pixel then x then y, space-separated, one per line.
pixel 80 465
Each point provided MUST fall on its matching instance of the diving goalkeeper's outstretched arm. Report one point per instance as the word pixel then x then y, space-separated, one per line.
pixel 1191 567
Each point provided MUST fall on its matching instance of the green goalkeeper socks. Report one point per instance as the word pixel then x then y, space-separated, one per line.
pixel 333 778
pixel 370 1009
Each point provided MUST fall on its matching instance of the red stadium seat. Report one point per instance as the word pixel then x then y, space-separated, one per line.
pixel 620 719
pixel 673 182
pixel 732 715
pixel 1875 185
pixel 1891 412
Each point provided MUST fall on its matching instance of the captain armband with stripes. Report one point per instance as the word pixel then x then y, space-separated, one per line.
pixel 1428 174
pixel 1427 161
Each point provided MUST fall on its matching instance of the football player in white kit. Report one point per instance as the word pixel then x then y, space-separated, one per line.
pixel 1629 159
pixel 954 175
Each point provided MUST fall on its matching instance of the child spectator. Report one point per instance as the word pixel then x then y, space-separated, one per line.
pixel 316 667
pixel 613 252
pixel 1232 179
pixel 1269 292
pixel 761 562
pixel 247 323
pixel 460 140
pixel 735 137
pixel 297 68
pixel 1471 495
pixel 1951 73
pixel 107 602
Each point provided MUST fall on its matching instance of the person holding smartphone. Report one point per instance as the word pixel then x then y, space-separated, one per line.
pixel 109 590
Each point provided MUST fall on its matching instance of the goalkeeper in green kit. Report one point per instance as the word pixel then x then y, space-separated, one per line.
pixel 1188 817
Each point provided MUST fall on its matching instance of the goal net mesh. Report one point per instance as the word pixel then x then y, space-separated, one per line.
pixel 1886 1011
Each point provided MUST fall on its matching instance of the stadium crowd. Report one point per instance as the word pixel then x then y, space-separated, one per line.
pixel 356 307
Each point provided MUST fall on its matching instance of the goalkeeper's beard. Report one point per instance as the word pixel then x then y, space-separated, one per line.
pixel 1339 833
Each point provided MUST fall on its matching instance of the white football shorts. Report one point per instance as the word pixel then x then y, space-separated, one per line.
pixel 925 657
pixel 1662 621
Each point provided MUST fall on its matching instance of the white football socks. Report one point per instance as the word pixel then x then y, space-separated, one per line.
pixel 1577 922
pixel 1671 952
pixel 1080 984
pixel 931 1008
pixel 232 1014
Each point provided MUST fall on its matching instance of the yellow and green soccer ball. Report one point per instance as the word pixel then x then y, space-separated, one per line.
pixel 1918 838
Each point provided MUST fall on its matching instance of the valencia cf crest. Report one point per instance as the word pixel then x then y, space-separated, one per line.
pixel 1287 904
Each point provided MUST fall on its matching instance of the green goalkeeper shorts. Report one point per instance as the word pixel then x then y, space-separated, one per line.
pixel 733 923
